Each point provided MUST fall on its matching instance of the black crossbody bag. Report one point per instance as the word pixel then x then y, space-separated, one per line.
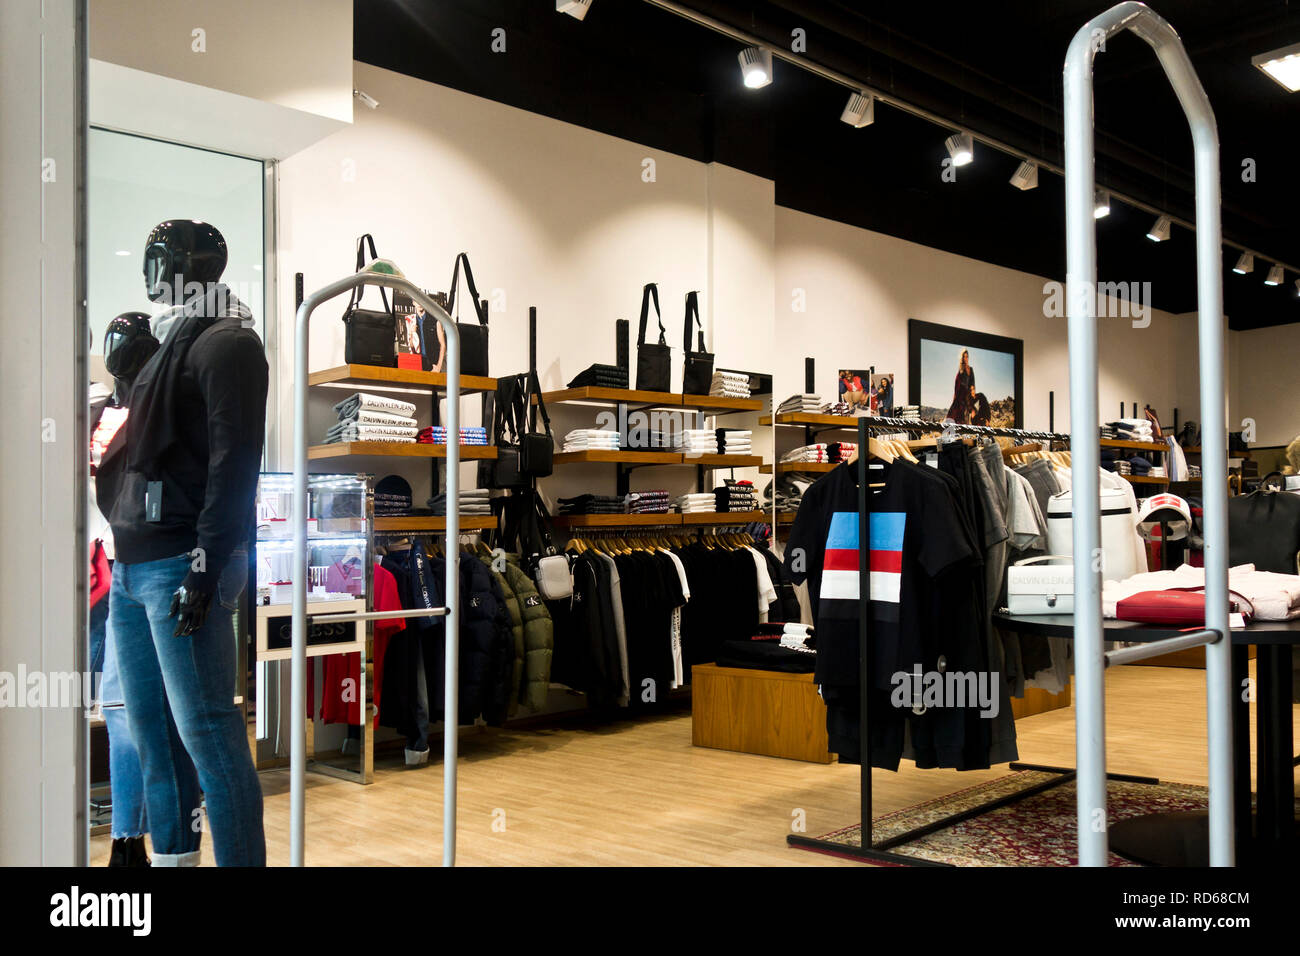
pixel 653 362
pixel 697 367
pixel 370 338
pixel 473 338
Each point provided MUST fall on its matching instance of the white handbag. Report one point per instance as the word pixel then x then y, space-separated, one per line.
pixel 1119 542
pixel 1034 588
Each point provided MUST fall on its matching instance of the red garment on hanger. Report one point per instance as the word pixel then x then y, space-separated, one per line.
pixel 340 667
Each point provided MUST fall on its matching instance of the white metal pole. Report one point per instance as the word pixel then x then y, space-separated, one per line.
pixel 1081 266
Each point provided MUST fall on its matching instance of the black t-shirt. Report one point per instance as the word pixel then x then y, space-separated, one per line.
pixel 917 533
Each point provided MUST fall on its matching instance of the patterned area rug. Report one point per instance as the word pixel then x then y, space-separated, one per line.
pixel 1036 831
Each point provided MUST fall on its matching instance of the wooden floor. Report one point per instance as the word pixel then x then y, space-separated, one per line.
pixel 637 792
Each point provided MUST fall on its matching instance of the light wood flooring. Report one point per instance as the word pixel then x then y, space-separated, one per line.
pixel 637 792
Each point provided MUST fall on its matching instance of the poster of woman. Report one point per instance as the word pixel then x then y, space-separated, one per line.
pixel 969 377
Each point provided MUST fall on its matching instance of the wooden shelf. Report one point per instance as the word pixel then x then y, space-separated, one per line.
pixel 813 419
pixel 719 403
pixel 1145 480
pixel 671 519
pixel 725 517
pixel 814 467
pixel 723 461
pixel 394 449
pixel 618 457
pixel 785 518
pixel 611 396
pixel 1134 445
pixel 417 523
pixel 378 375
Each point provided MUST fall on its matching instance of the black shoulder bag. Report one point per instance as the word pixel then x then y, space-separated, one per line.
pixel 652 361
pixel 473 338
pixel 504 409
pixel 697 367
pixel 370 338
pixel 536 449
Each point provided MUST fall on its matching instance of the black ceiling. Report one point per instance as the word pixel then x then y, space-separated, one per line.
pixel 641 73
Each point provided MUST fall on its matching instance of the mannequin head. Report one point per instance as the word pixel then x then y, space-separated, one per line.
pixel 128 345
pixel 182 257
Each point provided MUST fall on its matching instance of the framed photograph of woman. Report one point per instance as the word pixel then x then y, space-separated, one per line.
pixel 970 377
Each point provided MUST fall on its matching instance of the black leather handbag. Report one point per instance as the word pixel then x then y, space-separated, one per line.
pixel 370 338
pixel 473 337
pixel 653 362
pixel 697 367
pixel 1264 530
pixel 504 410
pixel 536 449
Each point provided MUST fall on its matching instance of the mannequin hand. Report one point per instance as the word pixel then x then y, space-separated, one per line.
pixel 190 608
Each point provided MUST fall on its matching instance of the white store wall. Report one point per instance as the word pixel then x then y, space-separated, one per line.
pixel 552 215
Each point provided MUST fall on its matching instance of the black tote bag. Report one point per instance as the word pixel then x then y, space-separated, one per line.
pixel 473 338
pixel 1264 530
pixel 653 362
pixel 697 367
pixel 369 338
pixel 504 409
pixel 536 449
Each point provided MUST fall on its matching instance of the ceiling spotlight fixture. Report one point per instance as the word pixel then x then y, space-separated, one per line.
pixel 1100 204
pixel 1160 231
pixel 1245 264
pixel 755 66
pixel 1025 176
pixel 366 98
pixel 1282 65
pixel 961 147
pixel 860 110
pixel 574 8
pixel 1275 275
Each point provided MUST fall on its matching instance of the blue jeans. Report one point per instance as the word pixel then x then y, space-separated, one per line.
pixel 123 762
pixel 180 703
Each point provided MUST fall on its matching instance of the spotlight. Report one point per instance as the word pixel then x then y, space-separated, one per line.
pixel 366 98
pixel 1160 231
pixel 574 8
pixel 1282 65
pixel 1025 176
pixel 860 110
pixel 1245 264
pixel 755 66
pixel 961 147
pixel 1275 275
pixel 1100 204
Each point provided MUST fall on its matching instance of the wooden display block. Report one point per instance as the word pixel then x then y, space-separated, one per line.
pixel 758 712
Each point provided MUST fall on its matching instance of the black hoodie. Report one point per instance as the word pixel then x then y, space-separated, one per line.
pixel 217 398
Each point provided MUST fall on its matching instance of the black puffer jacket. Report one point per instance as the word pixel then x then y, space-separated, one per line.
pixel 486 643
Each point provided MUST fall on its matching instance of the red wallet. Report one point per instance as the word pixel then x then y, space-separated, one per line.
pixel 1177 606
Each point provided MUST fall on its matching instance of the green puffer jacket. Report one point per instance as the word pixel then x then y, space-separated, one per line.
pixel 515 606
pixel 539 636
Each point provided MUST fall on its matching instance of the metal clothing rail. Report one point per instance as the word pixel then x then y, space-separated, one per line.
pixel 924 425
pixel 298 670
pixel 868 848
pixel 1081 295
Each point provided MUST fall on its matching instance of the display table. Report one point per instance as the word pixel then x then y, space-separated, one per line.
pixel 1181 839
pixel 758 712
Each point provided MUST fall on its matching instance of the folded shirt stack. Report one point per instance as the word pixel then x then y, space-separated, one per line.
pixel 365 417
pixel 473 501
pixel 697 441
pixel 838 451
pixel 735 496
pixel 909 411
pixel 592 505
pixel 1140 466
pixel 803 402
pixel 437 435
pixel 654 502
pixel 788 491
pixel 642 440
pixel 388 505
pixel 601 376
pixel 1132 429
pixel 735 441
pixel 1156 471
pixel 1122 467
pixel 591 439
pixel 807 453
pixel 730 385
pixel 702 503
pixel 837 408
pixel 1107 432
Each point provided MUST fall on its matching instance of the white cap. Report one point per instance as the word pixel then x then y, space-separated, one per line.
pixel 1169 508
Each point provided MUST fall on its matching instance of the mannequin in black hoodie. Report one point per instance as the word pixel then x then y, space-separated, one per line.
pixel 178 486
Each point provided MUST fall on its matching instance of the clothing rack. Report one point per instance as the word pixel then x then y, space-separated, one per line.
pixel 868 848
pixel 383 274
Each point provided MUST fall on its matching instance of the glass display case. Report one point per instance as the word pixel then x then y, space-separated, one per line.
pixel 339 572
